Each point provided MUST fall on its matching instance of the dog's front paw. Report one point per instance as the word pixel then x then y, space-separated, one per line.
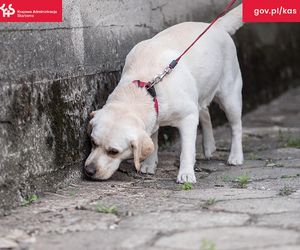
pixel 184 177
pixel 235 159
pixel 148 168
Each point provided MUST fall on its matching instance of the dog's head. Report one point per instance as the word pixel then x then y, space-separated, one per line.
pixel 116 135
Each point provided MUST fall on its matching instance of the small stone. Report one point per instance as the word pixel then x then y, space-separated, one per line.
pixel 113 226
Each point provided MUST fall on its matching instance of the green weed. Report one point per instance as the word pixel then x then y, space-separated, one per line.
pixel 187 186
pixel 29 199
pixel 207 245
pixel 106 209
pixel 293 143
pixel 242 181
pixel 210 202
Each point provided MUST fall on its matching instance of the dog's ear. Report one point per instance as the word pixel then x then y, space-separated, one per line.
pixel 90 125
pixel 142 148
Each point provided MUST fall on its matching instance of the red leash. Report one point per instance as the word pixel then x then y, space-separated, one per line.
pixel 208 27
pixel 150 85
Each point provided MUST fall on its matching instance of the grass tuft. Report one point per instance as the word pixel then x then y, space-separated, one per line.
pixel 207 245
pixel 210 202
pixel 106 209
pixel 293 143
pixel 242 181
pixel 187 186
pixel 29 200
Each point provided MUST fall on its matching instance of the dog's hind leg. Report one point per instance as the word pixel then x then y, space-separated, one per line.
pixel 149 165
pixel 208 141
pixel 188 133
pixel 231 103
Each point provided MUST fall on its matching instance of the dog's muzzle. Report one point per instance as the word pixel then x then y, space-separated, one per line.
pixel 90 170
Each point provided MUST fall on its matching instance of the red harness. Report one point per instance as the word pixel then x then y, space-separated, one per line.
pixel 151 90
pixel 150 85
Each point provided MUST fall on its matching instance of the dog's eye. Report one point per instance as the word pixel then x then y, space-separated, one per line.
pixel 112 151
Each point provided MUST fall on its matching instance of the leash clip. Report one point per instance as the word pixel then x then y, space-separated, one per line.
pixel 158 78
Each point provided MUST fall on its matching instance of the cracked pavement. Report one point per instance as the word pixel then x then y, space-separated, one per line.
pixel 254 206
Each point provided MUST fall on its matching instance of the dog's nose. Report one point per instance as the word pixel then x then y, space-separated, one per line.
pixel 90 169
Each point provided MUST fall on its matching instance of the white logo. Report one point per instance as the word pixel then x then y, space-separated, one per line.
pixel 7 12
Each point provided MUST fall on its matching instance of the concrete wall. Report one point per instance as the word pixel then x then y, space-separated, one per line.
pixel 53 75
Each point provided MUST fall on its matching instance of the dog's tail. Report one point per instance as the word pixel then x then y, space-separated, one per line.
pixel 232 21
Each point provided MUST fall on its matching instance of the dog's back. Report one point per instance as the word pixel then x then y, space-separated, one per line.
pixel 156 53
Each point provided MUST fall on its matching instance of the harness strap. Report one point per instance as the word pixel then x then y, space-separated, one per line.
pixel 151 91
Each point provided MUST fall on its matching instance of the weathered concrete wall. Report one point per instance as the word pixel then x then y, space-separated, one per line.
pixel 53 75
pixel 269 55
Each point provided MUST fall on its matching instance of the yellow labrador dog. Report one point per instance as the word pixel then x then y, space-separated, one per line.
pixel 128 123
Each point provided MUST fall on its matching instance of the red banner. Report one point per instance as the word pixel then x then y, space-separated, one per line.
pixel 30 10
pixel 271 10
